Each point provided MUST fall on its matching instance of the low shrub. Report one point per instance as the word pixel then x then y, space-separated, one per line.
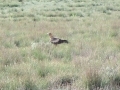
pixel 93 80
pixel 63 82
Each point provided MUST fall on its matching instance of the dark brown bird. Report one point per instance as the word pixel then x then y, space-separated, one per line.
pixel 55 40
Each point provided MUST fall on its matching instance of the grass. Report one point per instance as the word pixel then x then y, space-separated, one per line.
pixel 93 79
pixel 28 61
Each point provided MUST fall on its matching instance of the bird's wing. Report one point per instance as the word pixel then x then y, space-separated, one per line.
pixel 55 40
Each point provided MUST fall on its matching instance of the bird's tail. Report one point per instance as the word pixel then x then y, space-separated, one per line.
pixel 65 41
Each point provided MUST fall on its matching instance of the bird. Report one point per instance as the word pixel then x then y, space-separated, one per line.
pixel 55 40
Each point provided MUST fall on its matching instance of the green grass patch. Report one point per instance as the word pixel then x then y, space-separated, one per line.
pixel 28 61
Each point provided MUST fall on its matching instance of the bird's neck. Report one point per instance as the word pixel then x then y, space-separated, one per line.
pixel 51 36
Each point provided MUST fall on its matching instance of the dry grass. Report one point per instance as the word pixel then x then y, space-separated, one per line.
pixel 28 61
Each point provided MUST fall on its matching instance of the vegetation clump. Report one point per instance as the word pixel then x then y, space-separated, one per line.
pixel 28 61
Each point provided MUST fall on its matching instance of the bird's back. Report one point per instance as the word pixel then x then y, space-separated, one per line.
pixel 55 40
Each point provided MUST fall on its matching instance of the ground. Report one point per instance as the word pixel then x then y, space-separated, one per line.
pixel 28 61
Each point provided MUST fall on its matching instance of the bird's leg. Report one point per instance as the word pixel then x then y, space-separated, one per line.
pixel 55 44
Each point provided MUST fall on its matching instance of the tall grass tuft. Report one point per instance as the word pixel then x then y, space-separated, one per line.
pixel 116 81
pixel 93 80
pixel 63 82
pixel 43 71
pixel 29 85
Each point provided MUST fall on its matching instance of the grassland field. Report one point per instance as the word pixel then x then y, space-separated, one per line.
pixel 91 61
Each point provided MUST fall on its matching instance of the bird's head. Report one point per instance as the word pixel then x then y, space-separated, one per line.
pixel 50 34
